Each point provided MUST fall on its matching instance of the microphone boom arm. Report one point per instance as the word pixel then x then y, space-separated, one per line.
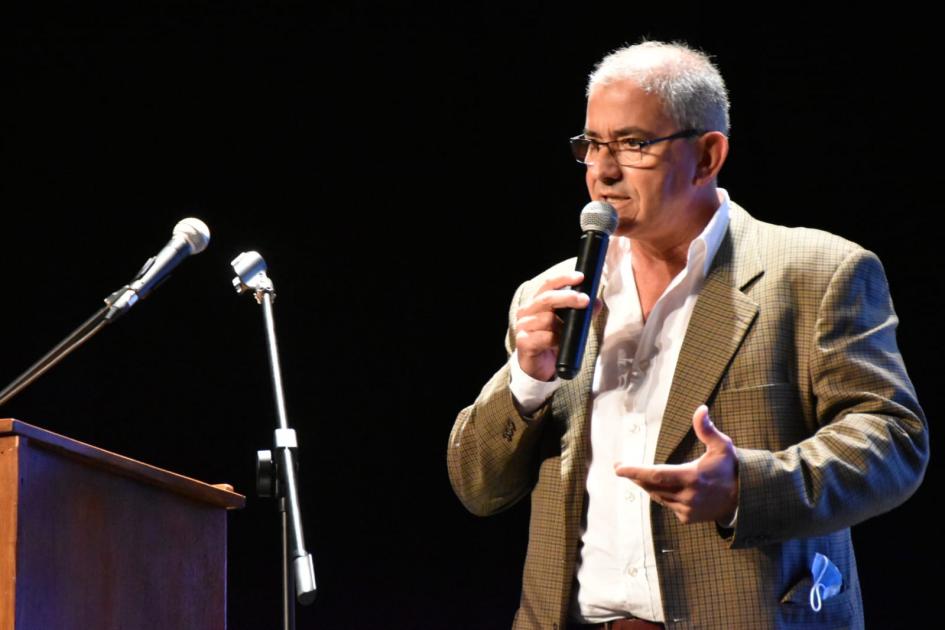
pixel 79 336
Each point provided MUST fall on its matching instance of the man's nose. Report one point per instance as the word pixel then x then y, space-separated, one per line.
pixel 605 166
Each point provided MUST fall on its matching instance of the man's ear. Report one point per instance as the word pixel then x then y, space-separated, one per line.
pixel 713 149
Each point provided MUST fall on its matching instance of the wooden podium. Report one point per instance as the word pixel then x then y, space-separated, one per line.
pixel 91 540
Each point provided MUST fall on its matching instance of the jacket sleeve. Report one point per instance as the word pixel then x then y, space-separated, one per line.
pixel 492 453
pixel 871 448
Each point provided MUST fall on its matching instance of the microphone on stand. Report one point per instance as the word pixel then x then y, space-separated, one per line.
pixel 598 222
pixel 190 236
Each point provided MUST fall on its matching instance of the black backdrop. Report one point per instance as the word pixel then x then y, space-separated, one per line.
pixel 402 167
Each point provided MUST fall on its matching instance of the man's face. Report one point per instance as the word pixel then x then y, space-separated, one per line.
pixel 652 197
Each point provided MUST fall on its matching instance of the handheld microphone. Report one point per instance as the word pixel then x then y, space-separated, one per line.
pixel 598 221
pixel 190 236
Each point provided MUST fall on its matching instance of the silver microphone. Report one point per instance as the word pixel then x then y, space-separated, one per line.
pixel 190 236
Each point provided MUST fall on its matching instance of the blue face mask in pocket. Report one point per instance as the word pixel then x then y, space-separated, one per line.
pixel 827 581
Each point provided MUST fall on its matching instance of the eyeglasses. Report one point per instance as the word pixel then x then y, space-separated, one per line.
pixel 627 151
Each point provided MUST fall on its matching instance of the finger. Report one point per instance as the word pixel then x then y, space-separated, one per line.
pixel 665 477
pixel 683 512
pixel 545 320
pixel 554 299
pixel 532 342
pixel 561 298
pixel 706 430
pixel 667 500
pixel 569 279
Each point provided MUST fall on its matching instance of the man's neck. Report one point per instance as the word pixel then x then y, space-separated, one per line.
pixel 668 255
pixel 656 262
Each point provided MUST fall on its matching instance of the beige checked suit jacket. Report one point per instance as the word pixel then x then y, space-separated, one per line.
pixel 792 345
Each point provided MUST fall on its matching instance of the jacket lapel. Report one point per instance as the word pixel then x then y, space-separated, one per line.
pixel 575 442
pixel 576 446
pixel 722 316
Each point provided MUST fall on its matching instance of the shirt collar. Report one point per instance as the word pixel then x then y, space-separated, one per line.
pixel 709 241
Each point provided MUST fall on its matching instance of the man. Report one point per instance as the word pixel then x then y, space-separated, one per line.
pixel 742 401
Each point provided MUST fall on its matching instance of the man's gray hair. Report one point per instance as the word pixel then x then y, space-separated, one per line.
pixel 685 80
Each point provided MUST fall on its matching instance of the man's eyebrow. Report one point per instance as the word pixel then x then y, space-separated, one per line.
pixel 619 133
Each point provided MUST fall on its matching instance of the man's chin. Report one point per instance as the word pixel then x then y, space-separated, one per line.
pixel 624 227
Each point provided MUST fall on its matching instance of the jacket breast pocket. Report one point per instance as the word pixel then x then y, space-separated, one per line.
pixel 768 417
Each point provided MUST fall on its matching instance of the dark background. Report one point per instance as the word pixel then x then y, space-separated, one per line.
pixel 402 168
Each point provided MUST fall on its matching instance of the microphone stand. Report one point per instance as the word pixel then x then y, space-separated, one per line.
pixel 116 305
pixel 276 476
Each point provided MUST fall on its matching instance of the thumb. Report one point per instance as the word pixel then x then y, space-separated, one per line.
pixel 705 429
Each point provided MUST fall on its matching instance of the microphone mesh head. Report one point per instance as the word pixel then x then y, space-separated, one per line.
pixel 195 232
pixel 599 216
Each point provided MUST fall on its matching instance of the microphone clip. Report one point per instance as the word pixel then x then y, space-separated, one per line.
pixel 119 302
pixel 250 268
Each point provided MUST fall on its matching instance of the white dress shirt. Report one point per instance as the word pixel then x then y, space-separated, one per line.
pixel 634 371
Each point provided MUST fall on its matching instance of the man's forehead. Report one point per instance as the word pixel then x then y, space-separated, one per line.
pixel 630 130
pixel 623 108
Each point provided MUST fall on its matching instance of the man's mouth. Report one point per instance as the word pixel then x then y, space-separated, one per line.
pixel 613 198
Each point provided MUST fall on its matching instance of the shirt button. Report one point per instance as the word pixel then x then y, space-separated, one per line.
pixel 632 571
pixel 631 496
pixel 634 428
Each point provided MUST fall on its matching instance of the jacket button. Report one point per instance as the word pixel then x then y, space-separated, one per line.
pixel 509 430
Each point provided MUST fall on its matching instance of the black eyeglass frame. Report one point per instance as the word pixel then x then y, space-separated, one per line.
pixel 581 144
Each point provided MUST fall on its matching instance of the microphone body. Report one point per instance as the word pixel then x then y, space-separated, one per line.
pixel 598 220
pixel 190 236
pixel 156 269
